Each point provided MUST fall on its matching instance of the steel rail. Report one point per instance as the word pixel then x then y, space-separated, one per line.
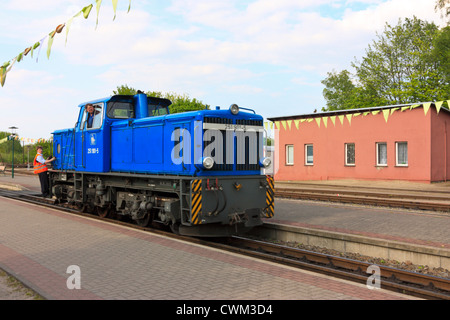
pixel 368 198
pixel 412 283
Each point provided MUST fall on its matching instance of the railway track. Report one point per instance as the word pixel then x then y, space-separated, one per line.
pixel 421 200
pixel 411 283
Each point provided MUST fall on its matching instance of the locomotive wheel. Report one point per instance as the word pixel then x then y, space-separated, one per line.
pixel 144 221
pixel 104 212
pixel 175 227
pixel 81 207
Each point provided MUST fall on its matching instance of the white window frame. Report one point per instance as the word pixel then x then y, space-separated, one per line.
pixel 306 154
pixel 289 162
pixel 377 155
pixel 396 154
pixel 346 154
pixel 98 117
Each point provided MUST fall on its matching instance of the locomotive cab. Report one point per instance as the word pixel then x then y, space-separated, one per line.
pixel 201 172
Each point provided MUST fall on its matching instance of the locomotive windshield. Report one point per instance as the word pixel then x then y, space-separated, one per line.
pixel 120 108
pixel 158 107
pixel 123 107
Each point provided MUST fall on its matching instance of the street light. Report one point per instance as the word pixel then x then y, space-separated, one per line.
pixel 13 134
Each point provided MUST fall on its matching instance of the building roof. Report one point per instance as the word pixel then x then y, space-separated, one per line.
pixel 349 111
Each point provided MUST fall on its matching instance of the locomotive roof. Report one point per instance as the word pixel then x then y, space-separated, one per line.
pixel 122 96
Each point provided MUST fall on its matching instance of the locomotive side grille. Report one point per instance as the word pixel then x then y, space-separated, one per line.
pixel 245 144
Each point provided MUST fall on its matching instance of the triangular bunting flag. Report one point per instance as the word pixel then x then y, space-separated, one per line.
pixel 374 113
pixel 386 114
pixel 97 6
pixel 333 119
pixel 50 43
pixel 284 124
pixel 341 118
pixel 40 46
pixel 2 75
pixel 86 10
pixel 356 114
pixel 404 108
pixel 37 44
pixel 19 57
pixel 277 125
pixel 426 107
pixel 289 122
pixel 114 7
pixel 415 106
pixel 439 105
pixel 318 121
pixel 393 110
pixel 296 122
pixel 325 120
pixel 349 118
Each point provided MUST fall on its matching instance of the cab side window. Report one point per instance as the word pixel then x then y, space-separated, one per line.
pixel 92 116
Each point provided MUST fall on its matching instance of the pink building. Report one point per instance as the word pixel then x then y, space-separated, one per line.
pixel 403 142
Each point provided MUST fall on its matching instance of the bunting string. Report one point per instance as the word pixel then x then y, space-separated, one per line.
pixel 27 140
pixel 6 67
pixel 387 113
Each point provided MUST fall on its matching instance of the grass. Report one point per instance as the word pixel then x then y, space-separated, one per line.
pixel 17 286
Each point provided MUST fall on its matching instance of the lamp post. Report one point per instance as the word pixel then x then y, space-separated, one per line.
pixel 13 135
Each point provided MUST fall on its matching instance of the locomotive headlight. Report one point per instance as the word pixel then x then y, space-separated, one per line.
pixel 234 109
pixel 208 162
pixel 265 162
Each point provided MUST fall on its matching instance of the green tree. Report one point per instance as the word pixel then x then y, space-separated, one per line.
pixel 441 52
pixel 125 90
pixel 405 64
pixel 6 149
pixel 180 102
pixel 444 7
pixel 341 93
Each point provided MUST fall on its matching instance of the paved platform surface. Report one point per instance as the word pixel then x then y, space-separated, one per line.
pixel 48 242
pixel 408 226
pixel 39 246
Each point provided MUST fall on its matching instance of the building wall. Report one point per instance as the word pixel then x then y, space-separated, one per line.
pixel 440 148
pixel 426 159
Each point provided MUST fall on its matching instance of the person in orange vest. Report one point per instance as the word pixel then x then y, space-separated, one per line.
pixel 40 168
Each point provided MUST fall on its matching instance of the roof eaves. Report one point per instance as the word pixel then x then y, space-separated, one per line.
pixel 348 111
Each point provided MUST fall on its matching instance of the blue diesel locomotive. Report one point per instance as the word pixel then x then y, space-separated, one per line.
pixel 199 172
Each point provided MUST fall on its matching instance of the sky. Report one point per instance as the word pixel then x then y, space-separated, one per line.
pixel 267 55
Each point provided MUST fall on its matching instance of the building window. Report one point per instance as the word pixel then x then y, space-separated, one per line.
pixel 289 154
pixel 401 150
pixel 349 154
pixel 309 153
pixel 381 154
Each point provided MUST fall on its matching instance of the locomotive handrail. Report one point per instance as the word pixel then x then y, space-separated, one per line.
pixel 248 109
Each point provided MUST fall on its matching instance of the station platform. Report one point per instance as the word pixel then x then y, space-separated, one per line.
pixel 37 245
pixel 43 248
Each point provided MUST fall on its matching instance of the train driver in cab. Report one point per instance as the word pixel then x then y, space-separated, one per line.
pixel 91 113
